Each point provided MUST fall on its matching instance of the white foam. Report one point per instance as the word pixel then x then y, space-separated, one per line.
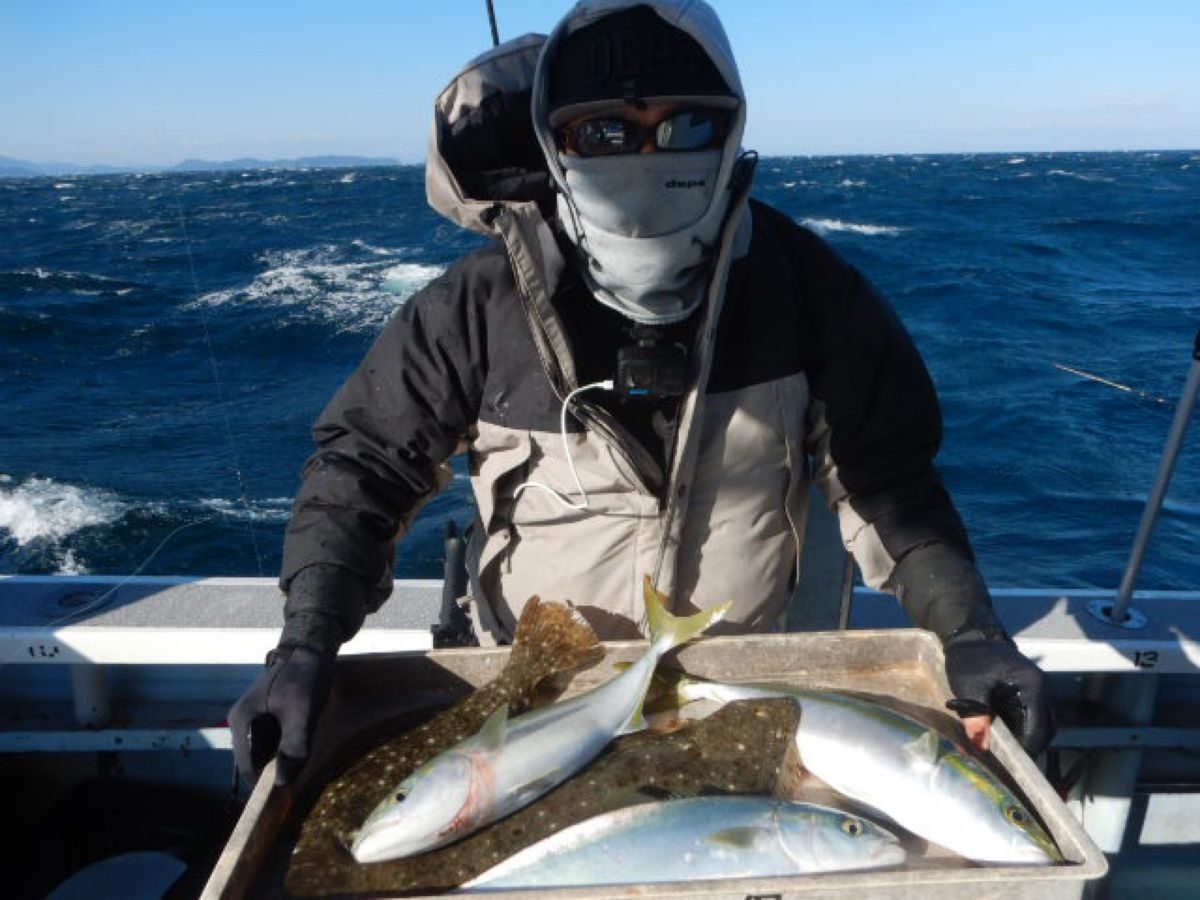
pixel 271 509
pixel 69 565
pixel 1064 173
pixel 851 183
pixel 316 284
pixel 348 178
pixel 41 509
pixel 408 278
pixel 829 226
pixel 371 248
pixel 1016 161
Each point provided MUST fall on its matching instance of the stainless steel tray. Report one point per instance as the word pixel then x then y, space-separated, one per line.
pixel 903 667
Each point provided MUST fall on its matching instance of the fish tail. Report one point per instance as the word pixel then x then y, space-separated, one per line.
pixel 675 630
pixel 551 638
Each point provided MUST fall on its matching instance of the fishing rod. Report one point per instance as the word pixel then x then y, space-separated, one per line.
pixel 492 21
pixel 1119 612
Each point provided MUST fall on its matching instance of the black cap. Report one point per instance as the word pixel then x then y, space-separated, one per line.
pixel 631 55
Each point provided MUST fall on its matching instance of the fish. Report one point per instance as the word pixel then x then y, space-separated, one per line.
pixel 909 771
pixel 509 763
pixel 551 639
pixel 695 839
pixel 742 748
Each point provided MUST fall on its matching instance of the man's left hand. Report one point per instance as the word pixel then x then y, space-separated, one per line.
pixel 989 676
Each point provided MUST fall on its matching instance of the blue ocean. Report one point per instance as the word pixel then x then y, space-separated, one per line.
pixel 167 340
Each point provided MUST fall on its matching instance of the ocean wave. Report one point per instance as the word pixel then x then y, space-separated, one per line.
pixel 320 284
pixel 271 509
pixel 830 226
pixel 852 183
pixel 42 509
pixel 40 280
pixel 1064 173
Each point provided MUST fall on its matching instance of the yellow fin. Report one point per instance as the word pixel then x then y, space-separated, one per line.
pixel 676 630
pixel 491 735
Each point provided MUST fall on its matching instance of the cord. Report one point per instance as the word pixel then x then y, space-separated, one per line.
pixel 606 385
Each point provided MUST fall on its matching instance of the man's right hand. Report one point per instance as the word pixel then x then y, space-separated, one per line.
pixel 279 712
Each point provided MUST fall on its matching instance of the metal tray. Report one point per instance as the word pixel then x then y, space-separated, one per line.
pixel 903 667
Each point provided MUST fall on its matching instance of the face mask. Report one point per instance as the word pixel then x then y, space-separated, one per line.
pixel 645 223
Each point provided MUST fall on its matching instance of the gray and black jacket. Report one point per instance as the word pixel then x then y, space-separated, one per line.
pixel 801 372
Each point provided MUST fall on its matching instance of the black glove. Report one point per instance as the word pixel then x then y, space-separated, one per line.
pixel 325 606
pixel 941 590
pixel 990 676
pixel 279 711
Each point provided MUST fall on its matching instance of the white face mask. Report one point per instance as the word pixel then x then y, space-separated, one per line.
pixel 646 224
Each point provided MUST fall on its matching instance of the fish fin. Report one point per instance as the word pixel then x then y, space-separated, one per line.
pixel 635 723
pixel 676 630
pixel 491 735
pixel 534 789
pixel 551 638
pixel 673 689
pixel 923 750
pixel 611 801
pixel 744 836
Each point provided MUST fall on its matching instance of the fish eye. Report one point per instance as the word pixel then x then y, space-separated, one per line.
pixel 1016 815
pixel 852 827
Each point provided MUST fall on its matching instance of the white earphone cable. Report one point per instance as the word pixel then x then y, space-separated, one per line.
pixel 606 385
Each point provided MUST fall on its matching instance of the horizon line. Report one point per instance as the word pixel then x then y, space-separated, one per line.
pixel 354 159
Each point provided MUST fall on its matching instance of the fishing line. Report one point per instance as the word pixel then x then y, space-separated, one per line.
pixel 224 403
pixel 1146 395
pixel 99 602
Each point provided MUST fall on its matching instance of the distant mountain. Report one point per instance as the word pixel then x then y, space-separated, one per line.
pixel 304 162
pixel 20 168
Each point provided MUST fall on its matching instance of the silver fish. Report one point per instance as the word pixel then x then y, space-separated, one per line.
pixel 695 839
pixel 907 770
pixel 512 762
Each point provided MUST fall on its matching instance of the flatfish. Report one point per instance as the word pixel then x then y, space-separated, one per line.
pixel 551 639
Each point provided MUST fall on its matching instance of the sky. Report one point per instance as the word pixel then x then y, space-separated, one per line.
pixel 154 82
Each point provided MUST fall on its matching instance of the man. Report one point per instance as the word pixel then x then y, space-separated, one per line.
pixel 643 367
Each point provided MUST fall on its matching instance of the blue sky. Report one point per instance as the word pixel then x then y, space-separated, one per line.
pixel 158 81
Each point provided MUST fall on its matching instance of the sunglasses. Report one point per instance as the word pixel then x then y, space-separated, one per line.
pixel 610 136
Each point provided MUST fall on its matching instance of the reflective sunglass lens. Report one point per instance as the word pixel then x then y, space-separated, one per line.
pixel 686 131
pixel 606 136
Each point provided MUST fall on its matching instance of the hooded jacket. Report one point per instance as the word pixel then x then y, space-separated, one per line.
pixel 801 371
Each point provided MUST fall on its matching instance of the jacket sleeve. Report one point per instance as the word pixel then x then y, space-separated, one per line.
pixel 874 430
pixel 384 440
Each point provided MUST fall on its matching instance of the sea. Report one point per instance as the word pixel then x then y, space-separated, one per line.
pixel 166 341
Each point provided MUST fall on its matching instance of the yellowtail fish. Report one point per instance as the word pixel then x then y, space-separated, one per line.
pixel 698 839
pixel 512 762
pixel 742 748
pixel 551 639
pixel 916 776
